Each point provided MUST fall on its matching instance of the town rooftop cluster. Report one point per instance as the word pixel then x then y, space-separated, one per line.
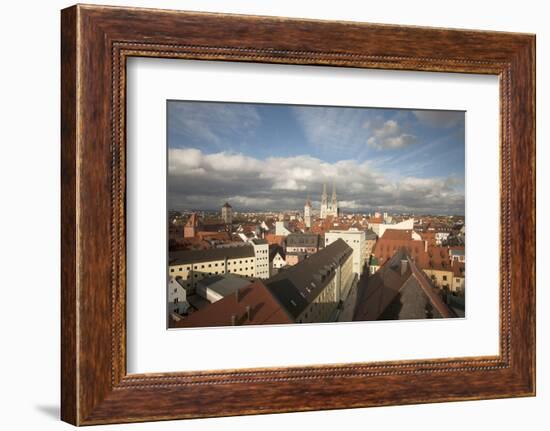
pixel 230 268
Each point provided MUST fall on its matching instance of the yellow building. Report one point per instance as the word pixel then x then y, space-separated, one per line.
pixel 191 266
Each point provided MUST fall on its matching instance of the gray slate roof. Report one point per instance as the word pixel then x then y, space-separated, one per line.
pixel 258 241
pixel 369 234
pixel 183 257
pixel 296 287
pixel 223 285
pixel 302 240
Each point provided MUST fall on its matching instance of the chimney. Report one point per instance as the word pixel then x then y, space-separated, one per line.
pixel 404 264
pixel 248 313
pixel 233 319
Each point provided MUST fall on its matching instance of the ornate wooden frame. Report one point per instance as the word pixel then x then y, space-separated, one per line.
pixel 95 43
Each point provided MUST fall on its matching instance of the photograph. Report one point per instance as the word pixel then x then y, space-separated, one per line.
pixel 255 215
pixel 291 214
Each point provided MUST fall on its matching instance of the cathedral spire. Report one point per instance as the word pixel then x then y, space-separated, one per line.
pixel 334 193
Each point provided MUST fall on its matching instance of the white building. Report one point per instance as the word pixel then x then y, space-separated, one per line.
pixel 192 266
pixel 215 288
pixel 278 260
pixel 307 214
pixel 246 237
pixel 177 296
pixel 329 209
pixel 227 213
pixel 261 254
pixel 356 239
pixel 441 237
pixel 456 254
pixel 380 228
pixel 281 228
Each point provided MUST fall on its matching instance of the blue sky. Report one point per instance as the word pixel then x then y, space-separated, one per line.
pixel 389 159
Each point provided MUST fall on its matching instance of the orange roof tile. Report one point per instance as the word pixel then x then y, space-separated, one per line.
pixel 251 305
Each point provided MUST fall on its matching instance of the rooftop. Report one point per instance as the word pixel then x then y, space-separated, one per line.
pixel 250 305
pixel 302 240
pixel 223 285
pixel 296 287
pixel 258 241
pixel 274 249
pixel 193 256
pixel 397 234
pixel 370 235
pixel 384 287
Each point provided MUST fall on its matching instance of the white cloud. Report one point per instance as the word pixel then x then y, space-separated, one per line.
pixel 205 181
pixel 388 135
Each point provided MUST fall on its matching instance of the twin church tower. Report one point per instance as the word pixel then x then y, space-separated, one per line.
pixel 328 209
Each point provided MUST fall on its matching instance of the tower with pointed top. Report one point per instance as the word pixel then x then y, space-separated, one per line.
pixel 324 202
pixel 307 214
pixel 329 208
pixel 334 201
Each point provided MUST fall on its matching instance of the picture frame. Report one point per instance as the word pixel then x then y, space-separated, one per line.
pixel 96 41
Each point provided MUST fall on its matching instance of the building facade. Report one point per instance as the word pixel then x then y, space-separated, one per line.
pixel 399 290
pixel 308 243
pixel 177 296
pixel 261 258
pixel 441 237
pixel 379 227
pixel 356 239
pixel 315 289
pixel 282 228
pixel 250 305
pixel 308 217
pixel 227 213
pixel 192 266
pixel 277 258
pixel 370 242
pixel 192 226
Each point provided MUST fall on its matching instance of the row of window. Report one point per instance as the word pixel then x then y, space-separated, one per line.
pixel 188 268
pixel 355 241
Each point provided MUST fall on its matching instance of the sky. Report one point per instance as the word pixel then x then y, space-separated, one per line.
pixel 274 157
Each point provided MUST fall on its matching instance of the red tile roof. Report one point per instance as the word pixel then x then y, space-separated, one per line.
pixel 429 237
pixel 385 247
pixel 221 236
pixel 397 234
pixel 386 284
pixel 458 269
pixel 251 305
pixel 430 291
pixel 274 239
pixel 436 258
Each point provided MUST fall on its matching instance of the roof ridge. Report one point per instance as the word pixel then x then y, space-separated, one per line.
pixel 435 299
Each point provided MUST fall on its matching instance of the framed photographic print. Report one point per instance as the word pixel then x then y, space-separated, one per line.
pixel 289 207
